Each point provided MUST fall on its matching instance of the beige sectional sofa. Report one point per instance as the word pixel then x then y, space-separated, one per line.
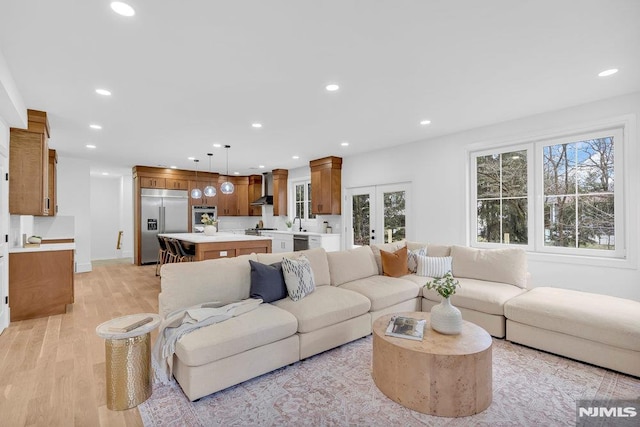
pixel 350 293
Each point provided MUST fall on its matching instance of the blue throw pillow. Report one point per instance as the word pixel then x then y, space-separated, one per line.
pixel 267 281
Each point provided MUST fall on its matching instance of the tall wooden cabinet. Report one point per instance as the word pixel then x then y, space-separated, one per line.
pixel 255 192
pixel 29 167
pixel 53 182
pixel 326 186
pixel 280 177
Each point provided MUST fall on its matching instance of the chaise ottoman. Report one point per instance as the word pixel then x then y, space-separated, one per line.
pixel 597 329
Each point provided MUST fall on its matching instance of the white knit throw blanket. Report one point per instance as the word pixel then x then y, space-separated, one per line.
pixel 181 322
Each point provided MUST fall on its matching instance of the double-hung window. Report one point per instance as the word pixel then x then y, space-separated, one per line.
pixel 560 195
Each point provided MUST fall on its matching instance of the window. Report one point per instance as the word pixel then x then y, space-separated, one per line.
pixel 578 209
pixel 302 192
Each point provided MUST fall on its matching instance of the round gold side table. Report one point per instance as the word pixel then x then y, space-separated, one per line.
pixel 128 360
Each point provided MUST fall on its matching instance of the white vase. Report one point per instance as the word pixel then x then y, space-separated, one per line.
pixel 210 230
pixel 445 318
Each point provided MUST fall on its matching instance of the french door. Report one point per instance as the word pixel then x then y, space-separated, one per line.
pixel 376 214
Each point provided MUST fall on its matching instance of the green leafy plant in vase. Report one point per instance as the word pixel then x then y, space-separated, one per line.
pixel 445 318
pixel 289 224
pixel 210 224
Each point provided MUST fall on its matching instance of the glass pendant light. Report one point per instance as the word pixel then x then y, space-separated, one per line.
pixel 196 193
pixel 227 186
pixel 210 190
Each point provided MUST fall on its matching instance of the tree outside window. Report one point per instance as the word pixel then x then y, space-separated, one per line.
pixel 303 201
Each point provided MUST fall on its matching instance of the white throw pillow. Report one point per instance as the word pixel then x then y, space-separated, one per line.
pixel 412 260
pixel 298 277
pixel 433 266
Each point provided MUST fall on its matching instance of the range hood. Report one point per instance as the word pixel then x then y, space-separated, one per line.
pixel 267 186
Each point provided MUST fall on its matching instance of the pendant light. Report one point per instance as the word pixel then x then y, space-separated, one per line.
pixel 196 193
pixel 210 190
pixel 227 186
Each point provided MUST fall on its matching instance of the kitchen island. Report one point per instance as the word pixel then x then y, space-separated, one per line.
pixel 221 245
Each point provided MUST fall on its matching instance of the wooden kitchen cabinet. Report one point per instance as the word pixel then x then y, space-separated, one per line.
pixel 227 203
pixel 242 195
pixel 201 183
pixel 40 283
pixel 53 182
pixel 29 167
pixel 326 186
pixel 152 182
pixel 280 177
pixel 176 184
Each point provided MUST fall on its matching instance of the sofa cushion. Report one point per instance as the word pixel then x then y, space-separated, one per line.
pixel 479 295
pixel 326 306
pixel 394 264
pixel 317 257
pixel 389 247
pixel 495 265
pixel 383 291
pixel 418 280
pixel 184 284
pixel 298 277
pixel 600 318
pixel 264 325
pixel 353 264
pixel 412 257
pixel 267 281
pixel 433 266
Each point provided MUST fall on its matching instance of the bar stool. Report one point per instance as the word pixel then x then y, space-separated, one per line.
pixel 172 253
pixel 163 254
pixel 182 254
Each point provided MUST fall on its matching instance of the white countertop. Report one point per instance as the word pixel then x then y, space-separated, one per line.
pixel 45 247
pixel 304 233
pixel 218 237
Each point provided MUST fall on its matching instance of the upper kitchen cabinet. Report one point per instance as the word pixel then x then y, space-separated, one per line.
pixel 326 184
pixel 280 177
pixel 29 167
pixel 204 180
pixel 236 203
pixel 53 182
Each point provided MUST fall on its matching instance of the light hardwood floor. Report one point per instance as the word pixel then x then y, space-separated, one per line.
pixel 52 370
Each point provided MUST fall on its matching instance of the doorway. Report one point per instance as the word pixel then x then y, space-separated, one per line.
pixel 376 214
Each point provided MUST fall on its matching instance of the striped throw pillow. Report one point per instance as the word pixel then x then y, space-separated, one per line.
pixel 433 266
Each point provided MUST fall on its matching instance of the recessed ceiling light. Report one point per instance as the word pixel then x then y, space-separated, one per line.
pixel 332 87
pixel 345 144
pixel 606 73
pixel 191 158
pixel 122 8
pixel 105 173
pixel 261 166
pixel 217 145
pixel 103 92
pixel 94 126
pixel 256 125
pixel 236 173
pixel 425 122
pixel 295 157
pixel 173 167
pixel 90 146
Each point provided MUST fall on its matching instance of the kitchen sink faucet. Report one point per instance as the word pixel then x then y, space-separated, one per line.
pixel 294 221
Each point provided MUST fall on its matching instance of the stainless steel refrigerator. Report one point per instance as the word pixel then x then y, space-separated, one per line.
pixel 162 211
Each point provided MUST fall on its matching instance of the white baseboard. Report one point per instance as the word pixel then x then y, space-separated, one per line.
pixel 4 318
pixel 83 267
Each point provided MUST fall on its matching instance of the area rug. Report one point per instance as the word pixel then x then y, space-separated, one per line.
pixel 335 388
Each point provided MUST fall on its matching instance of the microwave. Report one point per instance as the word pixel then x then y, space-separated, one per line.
pixel 196 216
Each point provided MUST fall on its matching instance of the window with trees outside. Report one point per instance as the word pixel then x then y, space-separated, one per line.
pixel 578 208
pixel 302 193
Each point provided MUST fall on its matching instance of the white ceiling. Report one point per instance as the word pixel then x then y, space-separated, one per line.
pixel 187 74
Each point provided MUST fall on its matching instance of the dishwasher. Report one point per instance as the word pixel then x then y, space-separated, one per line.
pixel 300 242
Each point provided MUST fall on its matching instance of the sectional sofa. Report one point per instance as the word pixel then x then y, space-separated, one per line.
pixel 351 291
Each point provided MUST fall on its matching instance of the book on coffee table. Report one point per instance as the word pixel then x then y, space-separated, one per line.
pixel 406 327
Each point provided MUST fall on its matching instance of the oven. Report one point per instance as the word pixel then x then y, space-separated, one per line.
pixel 196 216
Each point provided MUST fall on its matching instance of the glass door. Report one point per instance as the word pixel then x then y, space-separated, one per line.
pixel 376 214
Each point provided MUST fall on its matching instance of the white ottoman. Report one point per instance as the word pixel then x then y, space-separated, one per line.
pixel 592 328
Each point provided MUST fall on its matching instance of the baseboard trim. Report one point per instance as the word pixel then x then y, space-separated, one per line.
pixel 84 267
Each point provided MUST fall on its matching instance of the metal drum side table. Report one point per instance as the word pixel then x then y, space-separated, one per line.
pixel 128 359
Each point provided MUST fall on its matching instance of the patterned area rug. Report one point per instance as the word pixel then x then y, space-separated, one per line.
pixel 335 388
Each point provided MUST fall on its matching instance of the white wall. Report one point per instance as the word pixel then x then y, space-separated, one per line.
pixel 74 190
pixel 437 169
pixel 105 217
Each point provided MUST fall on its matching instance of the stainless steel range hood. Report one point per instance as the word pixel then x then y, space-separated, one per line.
pixel 267 188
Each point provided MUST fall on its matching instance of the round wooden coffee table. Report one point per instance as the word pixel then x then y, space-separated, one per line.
pixel 444 375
